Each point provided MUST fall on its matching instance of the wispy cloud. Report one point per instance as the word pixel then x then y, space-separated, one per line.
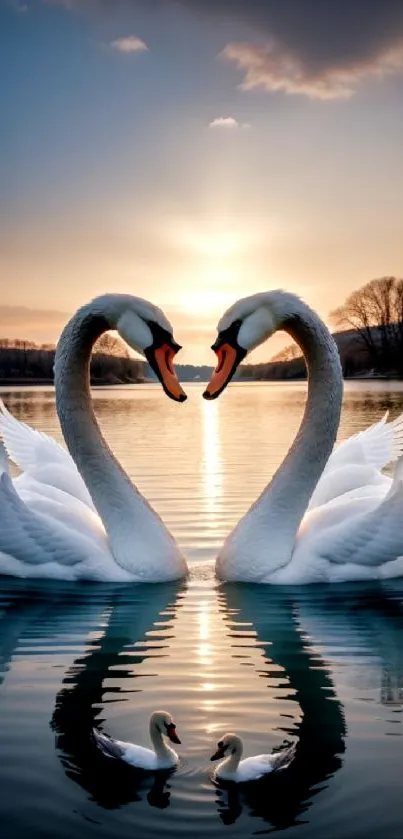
pixel 228 123
pixel 129 44
pixel 311 48
pixel 273 68
pixel 18 7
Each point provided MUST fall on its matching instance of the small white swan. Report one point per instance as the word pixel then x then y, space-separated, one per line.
pixel 325 516
pixel 76 515
pixel 162 756
pixel 232 768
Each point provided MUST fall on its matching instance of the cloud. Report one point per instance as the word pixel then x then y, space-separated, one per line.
pixel 228 123
pixel 311 47
pixel 129 44
pixel 270 66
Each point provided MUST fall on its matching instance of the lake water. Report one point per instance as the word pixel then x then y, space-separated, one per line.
pixel 321 664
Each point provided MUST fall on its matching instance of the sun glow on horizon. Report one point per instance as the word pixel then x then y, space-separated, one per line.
pixel 218 252
pixel 206 302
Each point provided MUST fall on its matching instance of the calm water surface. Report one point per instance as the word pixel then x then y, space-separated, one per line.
pixel 322 665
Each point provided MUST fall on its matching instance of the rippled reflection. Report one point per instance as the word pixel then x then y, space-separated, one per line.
pixel 86 694
pixel 321 731
pixel 211 475
pixel 281 626
pixel 320 665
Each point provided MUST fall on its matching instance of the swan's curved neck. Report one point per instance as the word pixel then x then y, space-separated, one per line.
pixel 277 513
pixel 128 518
pixel 230 764
pixel 74 405
pixel 161 748
pixel 314 442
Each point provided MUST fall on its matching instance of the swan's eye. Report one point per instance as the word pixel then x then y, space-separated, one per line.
pixel 161 336
pixel 228 336
pixel 220 744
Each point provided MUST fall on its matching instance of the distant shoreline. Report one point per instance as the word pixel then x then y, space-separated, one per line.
pixel 39 382
pixel 34 382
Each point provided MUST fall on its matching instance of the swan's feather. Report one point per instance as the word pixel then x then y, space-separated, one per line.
pixel 357 461
pixel 337 482
pixel 3 458
pixel 378 445
pixel 283 758
pixel 255 767
pixel 371 538
pixel 108 746
pixel 26 447
pixel 137 756
pixel 40 456
pixel 33 537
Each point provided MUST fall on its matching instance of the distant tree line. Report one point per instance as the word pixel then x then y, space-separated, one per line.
pixel 370 341
pixel 375 313
pixel 22 360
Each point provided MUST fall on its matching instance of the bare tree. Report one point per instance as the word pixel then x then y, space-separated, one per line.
pixel 289 352
pixel 375 313
pixel 108 344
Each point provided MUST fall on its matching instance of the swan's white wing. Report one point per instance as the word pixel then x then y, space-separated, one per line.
pixel 371 537
pixel 108 746
pixel 356 461
pixel 253 768
pixel 41 456
pixel 58 505
pixel 26 447
pixel 3 458
pixel 33 537
pixel 376 446
pixel 334 483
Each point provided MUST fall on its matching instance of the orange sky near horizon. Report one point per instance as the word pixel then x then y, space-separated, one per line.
pixel 136 160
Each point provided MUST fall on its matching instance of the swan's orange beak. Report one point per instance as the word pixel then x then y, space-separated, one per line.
pixel 171 732
pixel 160 359
pixel 228 360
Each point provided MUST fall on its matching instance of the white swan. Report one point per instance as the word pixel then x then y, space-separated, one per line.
pixel 160 757
pixel 349 525
pixel 232 768
pixel 78 516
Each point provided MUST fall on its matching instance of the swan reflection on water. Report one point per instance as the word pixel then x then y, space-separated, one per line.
pixel 130 615
pixel 285 628
pixel 275 664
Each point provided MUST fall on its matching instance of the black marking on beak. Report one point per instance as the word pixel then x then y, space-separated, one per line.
pixel 164 341
pixel 228 336
pixel 220 751
pixel 171 732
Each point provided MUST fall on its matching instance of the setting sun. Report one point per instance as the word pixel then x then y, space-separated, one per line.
pixel 206 302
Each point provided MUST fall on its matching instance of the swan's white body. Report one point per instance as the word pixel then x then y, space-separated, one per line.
pixel 232 768
pixel 326 516
pixel 162 756
pixel 86 521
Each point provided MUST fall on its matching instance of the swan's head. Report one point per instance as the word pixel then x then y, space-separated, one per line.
pixel 163 722
pixel 244 326
pixel 230 744
pixel 145 329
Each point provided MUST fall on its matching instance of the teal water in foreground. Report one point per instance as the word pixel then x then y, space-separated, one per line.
pixel 320 665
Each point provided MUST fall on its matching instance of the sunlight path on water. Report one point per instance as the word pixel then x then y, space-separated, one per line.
pixel 320 666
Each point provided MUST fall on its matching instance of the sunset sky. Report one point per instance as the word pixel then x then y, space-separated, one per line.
pixel 193 152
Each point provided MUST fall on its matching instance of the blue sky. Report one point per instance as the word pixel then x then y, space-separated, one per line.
pixel 196 152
